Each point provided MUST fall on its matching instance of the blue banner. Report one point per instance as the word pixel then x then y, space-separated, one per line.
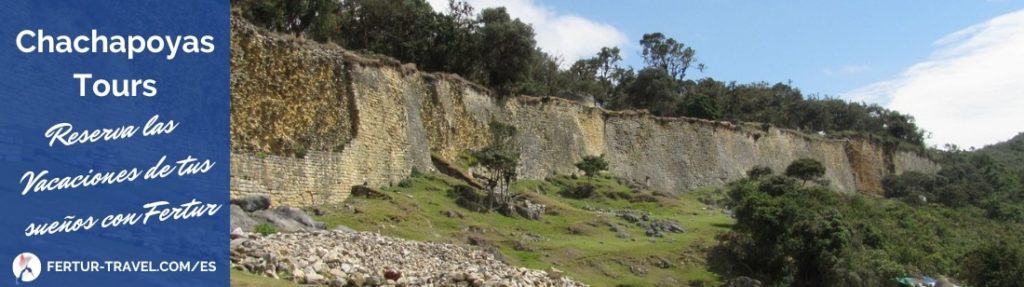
pixel 114 146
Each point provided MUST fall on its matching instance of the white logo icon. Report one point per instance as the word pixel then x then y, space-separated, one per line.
pixel 26 267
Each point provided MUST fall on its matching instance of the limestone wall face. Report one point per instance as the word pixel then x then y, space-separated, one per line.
pixel 310 121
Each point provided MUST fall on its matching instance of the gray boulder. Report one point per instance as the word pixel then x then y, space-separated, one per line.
pixel 241 220
pixel 742 281
pixel 288 219
pixel 252 202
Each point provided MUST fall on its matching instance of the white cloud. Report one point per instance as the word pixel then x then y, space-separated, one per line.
pixel 566 36
pixel 970 91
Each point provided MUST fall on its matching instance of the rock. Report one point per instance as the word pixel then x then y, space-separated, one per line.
pixel 657 227
pixel 452 214
pixel 237 233
pixel 356 280
pixel 523 208
pixel 314 278
pixel 742 281
pixel 337 258
pixel 530 210
pixel 521 246
pixel 288 219
pixel 637 269
pixel 241 220
pixel 630 217
pixel 392 275
pixel 374 280
pixel 252 202
pixel 554 273
pixel 369 192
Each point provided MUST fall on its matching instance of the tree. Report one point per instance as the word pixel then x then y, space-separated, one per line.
pixel 318 18
pixel 789 237
pixel 508 51
pixel 654 90
pixel 667 54
pixel 700 106
pixel 805 169
pixel 592 165
pixel 499 161
pixel 995 265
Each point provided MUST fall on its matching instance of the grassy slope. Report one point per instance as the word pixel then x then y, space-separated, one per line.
pixel 595 256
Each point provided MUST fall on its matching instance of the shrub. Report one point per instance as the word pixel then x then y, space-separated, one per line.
pixel 805 169
pixel 592 165
pixel 759 171
pixel 470 198
pixel 405 183
pixel 265 228
pixel 582 191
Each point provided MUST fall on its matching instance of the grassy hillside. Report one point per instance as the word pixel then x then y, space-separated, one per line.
pixel 575 236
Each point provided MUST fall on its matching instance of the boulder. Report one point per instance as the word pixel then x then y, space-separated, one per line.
pixel 369 192
pixel 241 220
pixel 288 219
pixel 742 281
pixel 252 202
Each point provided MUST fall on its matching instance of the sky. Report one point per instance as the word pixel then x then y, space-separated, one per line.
pixel 956 66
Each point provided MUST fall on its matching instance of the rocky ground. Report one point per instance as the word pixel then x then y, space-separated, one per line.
pixel 346 258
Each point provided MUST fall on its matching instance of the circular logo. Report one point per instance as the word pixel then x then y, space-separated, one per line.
pixel 27 267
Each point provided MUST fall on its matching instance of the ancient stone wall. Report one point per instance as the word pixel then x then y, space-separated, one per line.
pixel 309 121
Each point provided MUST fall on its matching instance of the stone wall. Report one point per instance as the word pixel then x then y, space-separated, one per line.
pixel 309 121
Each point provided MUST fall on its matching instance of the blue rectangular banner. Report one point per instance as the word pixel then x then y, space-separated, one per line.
pixel 114 146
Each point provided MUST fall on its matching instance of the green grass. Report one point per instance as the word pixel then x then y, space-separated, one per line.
pixel 245 279
pixel 596 256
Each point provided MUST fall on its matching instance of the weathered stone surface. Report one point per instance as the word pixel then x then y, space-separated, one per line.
pixel 338 258
pixel 311 121
pixel 241 220
pixel 252 202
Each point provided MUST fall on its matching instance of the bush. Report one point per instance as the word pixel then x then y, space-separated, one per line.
pixel 592 165
pixel 995 265
pixel 405 183
pixel 805 169
pixel 470 198
pixel 265 228
pixel 759 171
pixel 582 191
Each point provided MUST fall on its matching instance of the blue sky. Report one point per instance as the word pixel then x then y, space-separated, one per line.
pixel 900 54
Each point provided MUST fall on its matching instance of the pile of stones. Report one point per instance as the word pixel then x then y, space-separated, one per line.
pixel 346 258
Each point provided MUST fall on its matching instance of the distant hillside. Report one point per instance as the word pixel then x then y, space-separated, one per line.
pixel 1009 153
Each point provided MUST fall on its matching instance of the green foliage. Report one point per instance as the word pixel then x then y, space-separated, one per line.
pixel 265 229
pixel 592 165
pixel 509 51
pixel 995 265
pixel 805 169
pixel 499 161
pixel 315 17
pixel 700 106
pixel 759 171
pixel 910 187
pixel 655 90
pixel 791 235
pixel 967 179
pixel 579 191
pixel 667 54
